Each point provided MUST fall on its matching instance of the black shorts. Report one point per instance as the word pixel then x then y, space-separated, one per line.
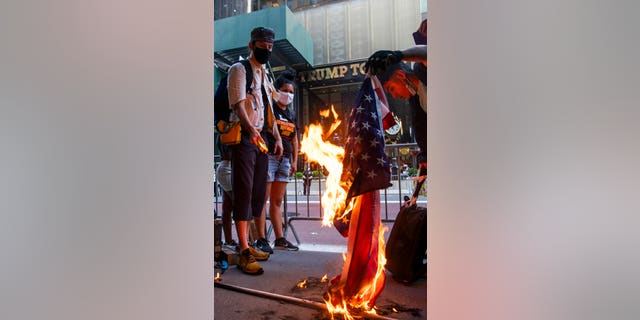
pixel 249 175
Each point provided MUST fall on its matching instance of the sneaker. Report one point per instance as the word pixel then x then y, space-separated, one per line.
pixel 259 255
pixel 248 264
pixel 283 244
pixel 263 245
pixel 232 245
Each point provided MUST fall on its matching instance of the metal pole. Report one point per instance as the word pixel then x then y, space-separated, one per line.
pixel 283 298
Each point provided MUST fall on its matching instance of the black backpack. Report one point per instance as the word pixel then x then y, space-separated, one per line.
pixel 221 107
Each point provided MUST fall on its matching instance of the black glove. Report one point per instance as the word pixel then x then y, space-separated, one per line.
pixel 380 60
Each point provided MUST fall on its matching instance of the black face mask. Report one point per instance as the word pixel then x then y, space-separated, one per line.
pixel 262 55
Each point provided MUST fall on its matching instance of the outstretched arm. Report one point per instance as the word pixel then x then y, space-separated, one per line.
pixel 380 60
pixel 416 53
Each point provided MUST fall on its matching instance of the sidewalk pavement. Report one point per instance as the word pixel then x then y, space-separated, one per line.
pixel 285 269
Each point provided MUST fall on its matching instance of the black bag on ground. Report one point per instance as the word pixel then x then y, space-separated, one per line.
pixel 407 245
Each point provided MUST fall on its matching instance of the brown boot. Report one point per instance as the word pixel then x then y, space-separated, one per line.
pixel 259 255
pixel 248 264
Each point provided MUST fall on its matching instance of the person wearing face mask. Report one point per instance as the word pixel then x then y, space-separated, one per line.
pixel 280 168
pixel 403 82
pixel 253 108
pixel 406 83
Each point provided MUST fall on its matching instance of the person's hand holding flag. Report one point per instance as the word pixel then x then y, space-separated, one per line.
pixel 380 60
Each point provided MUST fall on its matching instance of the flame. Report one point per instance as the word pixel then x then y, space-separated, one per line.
pixel 333 111
pixel 336 123
pixel 302 284
pixel 330 156
pixel 217 278
pixel 341 309
pixel 394 309
pixel 324 278
pixel 368 292
pixel 361 301
pixel 325 113
pixel 334 198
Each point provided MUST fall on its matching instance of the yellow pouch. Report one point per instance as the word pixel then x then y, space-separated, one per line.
pixel 233 136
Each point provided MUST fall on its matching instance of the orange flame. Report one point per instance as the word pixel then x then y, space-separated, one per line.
pixel 302 284
pixel 334 198
pixel 333 111
pixel 324 278
pixel 362 300
pixel 334 125
pixel 217 278
pixel 341 309
pixel 325 113
pixel 368 292
pixel 330 156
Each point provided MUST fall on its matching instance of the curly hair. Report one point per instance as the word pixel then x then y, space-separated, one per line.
pixel 286 77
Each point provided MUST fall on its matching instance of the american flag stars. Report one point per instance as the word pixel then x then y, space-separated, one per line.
pixel 366 167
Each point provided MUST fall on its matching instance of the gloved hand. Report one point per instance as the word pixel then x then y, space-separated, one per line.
pixel 380 60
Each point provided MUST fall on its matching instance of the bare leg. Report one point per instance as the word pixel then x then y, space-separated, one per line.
pixel 242 228
pixel 275 207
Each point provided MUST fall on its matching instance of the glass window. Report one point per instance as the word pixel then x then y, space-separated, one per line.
pixel 352 30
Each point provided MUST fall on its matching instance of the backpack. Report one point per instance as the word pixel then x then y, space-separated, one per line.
pixel 407 245
pixel 221 107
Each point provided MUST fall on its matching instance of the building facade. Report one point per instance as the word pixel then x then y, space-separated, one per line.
pixel 343 35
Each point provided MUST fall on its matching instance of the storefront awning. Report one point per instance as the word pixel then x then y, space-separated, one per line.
pixel 293 46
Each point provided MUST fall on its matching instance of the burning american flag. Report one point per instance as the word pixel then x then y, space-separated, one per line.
pixel 351 200
pixel 365 170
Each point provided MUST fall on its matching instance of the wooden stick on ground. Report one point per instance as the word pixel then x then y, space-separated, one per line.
pixel 289 299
